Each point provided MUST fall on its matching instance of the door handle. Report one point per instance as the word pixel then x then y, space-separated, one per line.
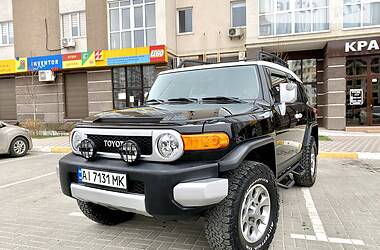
pixel 298 116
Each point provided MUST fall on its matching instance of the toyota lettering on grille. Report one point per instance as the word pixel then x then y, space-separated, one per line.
pixel 113 144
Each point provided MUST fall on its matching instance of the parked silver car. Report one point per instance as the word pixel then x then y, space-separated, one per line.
pixel 14 140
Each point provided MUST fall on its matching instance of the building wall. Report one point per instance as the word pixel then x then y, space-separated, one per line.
pixel 6 14
pixel 211 20
pixel 69 6
pixel 45 101
pixel 97 31
pixel 296 42
pixel 99 91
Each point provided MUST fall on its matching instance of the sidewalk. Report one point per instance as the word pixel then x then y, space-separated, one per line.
pixel 352 145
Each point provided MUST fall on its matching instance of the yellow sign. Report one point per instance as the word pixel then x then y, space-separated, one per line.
pixel 21 64
pixel 7 67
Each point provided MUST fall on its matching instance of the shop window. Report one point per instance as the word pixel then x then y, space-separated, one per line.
pixel 238 14
pixel 6 33
pixel 185 20
pixel 361 13
pixel 132 24
pixel 375 65
pixel 131 85
pixel 74 25
pixel 280 17
pixel 356 67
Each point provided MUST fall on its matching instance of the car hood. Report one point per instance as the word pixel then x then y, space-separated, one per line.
pixel 172 113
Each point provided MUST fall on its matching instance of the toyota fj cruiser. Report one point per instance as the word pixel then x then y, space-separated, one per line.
pixel 212 140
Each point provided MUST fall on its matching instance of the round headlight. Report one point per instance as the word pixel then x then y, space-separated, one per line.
pixel 168 146
pixel 76 139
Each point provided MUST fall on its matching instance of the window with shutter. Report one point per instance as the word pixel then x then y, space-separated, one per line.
pixel 74 25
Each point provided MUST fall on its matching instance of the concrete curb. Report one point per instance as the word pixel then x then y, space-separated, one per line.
pixel 350 155
pixel 322 155
pixel 55 149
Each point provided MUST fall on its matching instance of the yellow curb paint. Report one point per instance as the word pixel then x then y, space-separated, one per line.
pixel 338 155
pixel 60 150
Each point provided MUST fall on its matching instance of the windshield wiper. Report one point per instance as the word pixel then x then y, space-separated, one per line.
pixel 183 99
pixel 155 101
pixel 223 99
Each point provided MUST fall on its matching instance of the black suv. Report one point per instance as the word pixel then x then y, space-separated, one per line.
pixel 212 140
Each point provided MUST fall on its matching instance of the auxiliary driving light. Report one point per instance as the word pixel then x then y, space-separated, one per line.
pixel 130 151
pixel 87 149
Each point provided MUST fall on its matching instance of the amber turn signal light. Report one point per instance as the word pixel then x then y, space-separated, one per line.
pixel 205 141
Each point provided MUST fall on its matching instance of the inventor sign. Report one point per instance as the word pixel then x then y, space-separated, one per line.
pixel 53 62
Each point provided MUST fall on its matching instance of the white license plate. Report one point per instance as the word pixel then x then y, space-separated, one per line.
pixel 102 178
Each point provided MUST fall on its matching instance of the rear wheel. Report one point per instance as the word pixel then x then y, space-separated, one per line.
pixel 103 215
pixel 247 217
pixel 18 147
pixel 309 163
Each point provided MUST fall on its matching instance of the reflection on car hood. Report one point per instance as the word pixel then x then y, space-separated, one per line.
pixel 171 113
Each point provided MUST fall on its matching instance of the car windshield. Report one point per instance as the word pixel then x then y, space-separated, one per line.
pixel 240 82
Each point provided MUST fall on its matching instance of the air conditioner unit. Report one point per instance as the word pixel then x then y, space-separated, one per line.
pixel 235 32
pixel 46 76
pixel 68 43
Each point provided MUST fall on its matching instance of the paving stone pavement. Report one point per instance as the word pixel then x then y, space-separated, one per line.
pixel 35 215
pixel 351 144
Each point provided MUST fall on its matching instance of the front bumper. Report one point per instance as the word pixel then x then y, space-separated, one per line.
pixel 171 191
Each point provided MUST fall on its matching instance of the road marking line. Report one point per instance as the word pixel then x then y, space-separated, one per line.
pixel 27 180
pixel 320 234
pixel 77 214
pixel 332 240
pixel 314 217
pixel 24 158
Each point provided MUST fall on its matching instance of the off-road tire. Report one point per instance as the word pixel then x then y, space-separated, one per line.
pixel 222 221
pixel 12 151
pixel 307 179
pixel 103 215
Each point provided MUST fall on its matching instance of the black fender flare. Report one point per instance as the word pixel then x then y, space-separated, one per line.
pixel 238 154
pixel 309 134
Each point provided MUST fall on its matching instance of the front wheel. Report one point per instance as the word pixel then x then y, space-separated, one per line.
pixel 19 147
pixel 247 217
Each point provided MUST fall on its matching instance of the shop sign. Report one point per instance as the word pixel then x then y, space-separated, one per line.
pixel 7 67
pixel 70 61
pixel 88 59
pixel 356 97
pixel 21 64
pixel 157 54
pixel 361 45
pixel 99 55
pixel 45 63
pixel 145 55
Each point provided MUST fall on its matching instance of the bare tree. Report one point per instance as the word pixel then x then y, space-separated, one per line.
pixel 31 91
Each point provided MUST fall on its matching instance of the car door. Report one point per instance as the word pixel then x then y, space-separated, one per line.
pixel 287 139
pixel 3 140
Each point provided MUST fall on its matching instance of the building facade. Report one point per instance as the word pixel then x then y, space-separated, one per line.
pixel 332 45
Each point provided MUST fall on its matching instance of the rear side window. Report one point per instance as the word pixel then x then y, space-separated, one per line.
pixel 277 77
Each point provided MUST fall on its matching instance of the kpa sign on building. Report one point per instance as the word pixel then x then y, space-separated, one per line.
pixel 357 46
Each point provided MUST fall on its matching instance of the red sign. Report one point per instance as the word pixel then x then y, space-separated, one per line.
pixel 72 57
pixel 157 54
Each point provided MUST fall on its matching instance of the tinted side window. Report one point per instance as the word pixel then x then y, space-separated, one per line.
pixel 277 77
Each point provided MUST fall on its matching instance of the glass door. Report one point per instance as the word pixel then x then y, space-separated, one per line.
pixel 375 102
pixel 356 109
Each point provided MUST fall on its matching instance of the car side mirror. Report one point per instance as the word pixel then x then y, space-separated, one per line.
pixel 288 92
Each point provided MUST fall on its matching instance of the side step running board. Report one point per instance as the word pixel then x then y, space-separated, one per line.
pixel 287 182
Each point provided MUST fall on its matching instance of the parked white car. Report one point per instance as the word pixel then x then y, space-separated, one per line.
pixel 14 140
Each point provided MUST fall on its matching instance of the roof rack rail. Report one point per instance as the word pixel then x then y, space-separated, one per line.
pixel 269 57
pixel 194 62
